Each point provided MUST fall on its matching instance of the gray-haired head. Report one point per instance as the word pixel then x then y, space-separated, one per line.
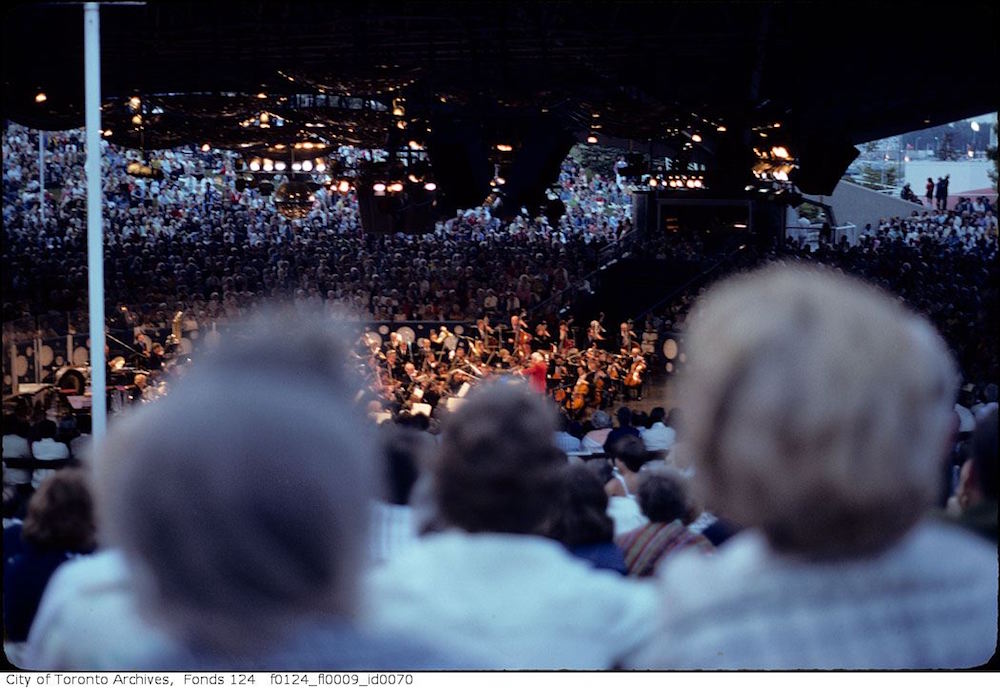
pixel 241 498
pixel 600 420
pixel 818 408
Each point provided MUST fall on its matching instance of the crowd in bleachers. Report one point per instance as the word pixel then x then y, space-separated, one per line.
pixel 190 241
pixel 942 263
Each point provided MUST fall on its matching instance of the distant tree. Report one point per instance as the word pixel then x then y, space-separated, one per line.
pixel 891 175
pixel 870 177
pixel 596 159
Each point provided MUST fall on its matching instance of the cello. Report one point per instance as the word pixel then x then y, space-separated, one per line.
pixel 634 376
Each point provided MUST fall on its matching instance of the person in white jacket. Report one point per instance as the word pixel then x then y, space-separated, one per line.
pixel 491 586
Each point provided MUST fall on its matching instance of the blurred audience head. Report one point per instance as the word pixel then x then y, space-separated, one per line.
pixel 818 409
pixel 242 498
pixel 582 518
pixel 984 455
pixel 629 453
pixel 499 467
pixel 407 452
pixel 60 514
pixel 663 497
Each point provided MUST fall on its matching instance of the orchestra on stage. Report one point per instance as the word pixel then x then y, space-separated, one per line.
pixel 419 374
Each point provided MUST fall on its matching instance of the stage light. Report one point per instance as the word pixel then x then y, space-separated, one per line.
pixel 501 181
pixel 690 183
pixel 720 128
pixel 265 118
pixel 343 186
pixel 906 158
pixel 401 124
pixel 262 95
pixel 296 167
pixel 107 132
pixel 320 166
pixel 41 98
pixel 396 187
pixel 397 111
pixel 134 102
pixel 652 182
pixel 255 165
pixel 378 188
pixel 430 186
pixel 972 154
pixel 205 148
pixel 780 152
pixel 504 147
pixel 696 138
pixel 413 178
pixel 781 175
pixel 591 139
pixel 268 164
pixel 974 124
pixel 415 146
pixel 137 120
pixel 307 165
pixel 280 165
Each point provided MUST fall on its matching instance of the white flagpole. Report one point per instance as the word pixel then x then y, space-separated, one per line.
pixel 95 230
pixel 41 174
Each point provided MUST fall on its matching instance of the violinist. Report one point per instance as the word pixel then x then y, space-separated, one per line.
pixel 485 333
pixel 392 371
pixel 565 339
pixel 543 339
pixel 425 358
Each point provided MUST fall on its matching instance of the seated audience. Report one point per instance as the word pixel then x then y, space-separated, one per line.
pixel 46 448
pixel 820 424
pixel 624 428
pixel 59 525
pixel 243 524
pixel 628 456
pixel 594 440
pixel 564 439
pixel 975 502
pixel 664 501
pixel 582 523
pixel 15 446
pixel 658 437
pixel 492 585
pixel 394 525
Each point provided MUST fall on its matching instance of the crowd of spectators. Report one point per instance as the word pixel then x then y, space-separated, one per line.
pixel 191 241
pixel 788 519
pixel 943 263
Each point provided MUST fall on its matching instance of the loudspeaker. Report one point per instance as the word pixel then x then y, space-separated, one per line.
pixel 461 165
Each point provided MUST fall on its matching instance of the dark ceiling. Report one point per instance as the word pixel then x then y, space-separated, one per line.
pixel 841 73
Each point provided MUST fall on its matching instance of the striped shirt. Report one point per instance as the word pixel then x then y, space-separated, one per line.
pixel 647 546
